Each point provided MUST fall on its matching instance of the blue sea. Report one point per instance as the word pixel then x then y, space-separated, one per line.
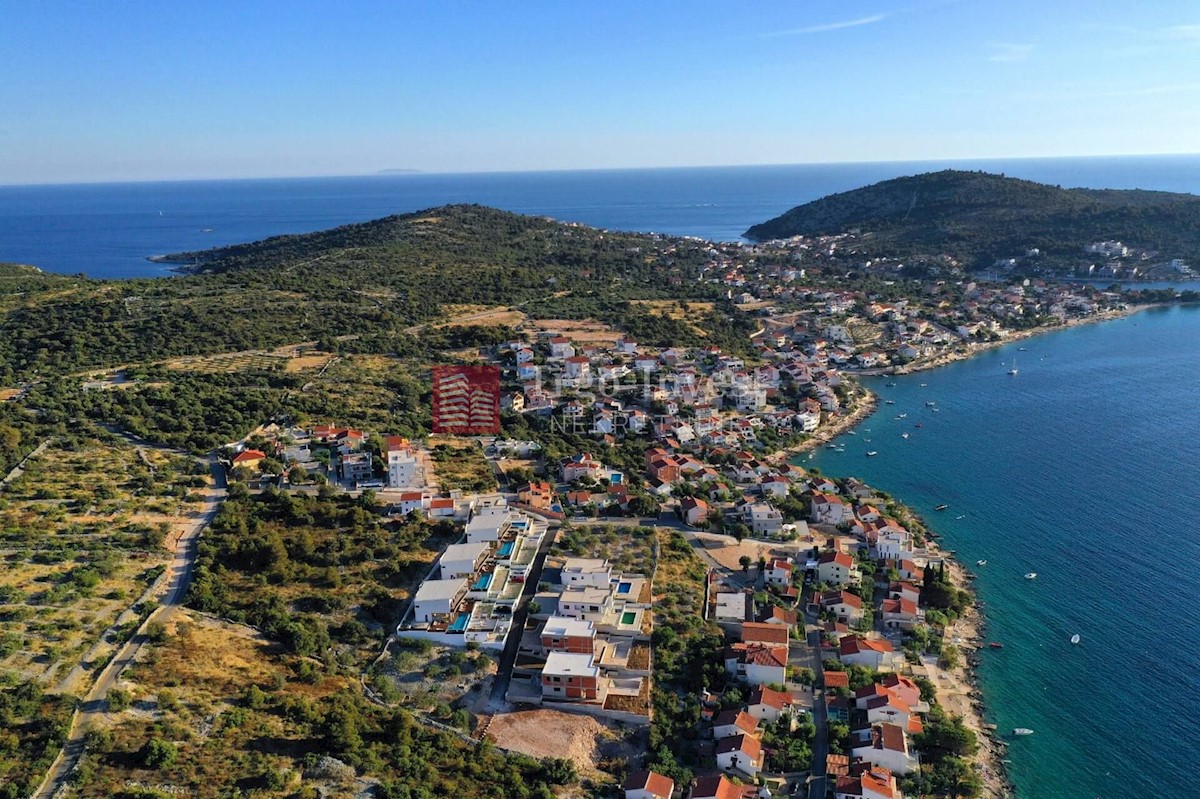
pixel 108 230
pixel 1083 467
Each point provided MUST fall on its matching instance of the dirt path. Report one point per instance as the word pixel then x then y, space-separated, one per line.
pixel 178 576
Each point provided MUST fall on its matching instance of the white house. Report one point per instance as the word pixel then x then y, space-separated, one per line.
pixel 435 599
pixel 885 745
pixel 648 785
pixel 741 753
pixel 586 571
pixel 767 704
pixel 728 723
pixel 779 572
pixel 873 653
pixel 764 519
pixel 837 568
pixel 463 560
pixel 756 663
pixel 830 509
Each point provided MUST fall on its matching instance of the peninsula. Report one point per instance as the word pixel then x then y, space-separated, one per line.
pixel 991 224
pixel 244 555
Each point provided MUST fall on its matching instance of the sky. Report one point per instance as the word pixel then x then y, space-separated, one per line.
pixel 134 90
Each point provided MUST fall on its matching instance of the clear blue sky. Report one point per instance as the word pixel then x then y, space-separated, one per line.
pixel 147 90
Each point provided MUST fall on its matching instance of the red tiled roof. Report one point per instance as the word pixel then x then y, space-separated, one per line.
pixel 715 786
pixel 744 721
pixel 745 744
pixel 764 633
pixel 761 654
pixel 762 695
pixel 837 679
pixel 249 455
pixel 656 784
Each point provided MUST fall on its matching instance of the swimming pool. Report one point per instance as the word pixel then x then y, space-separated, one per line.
pixel 628 617
pixel 506 549
pixel 460 623
pixel 623 588
pixel 482 583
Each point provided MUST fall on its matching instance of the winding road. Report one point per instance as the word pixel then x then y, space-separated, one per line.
pixel 94 702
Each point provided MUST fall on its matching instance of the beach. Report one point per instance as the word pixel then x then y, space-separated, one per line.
pixel 958 691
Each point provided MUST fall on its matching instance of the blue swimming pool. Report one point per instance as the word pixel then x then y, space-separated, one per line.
pixel 460 623
pixel 623 588
pixel 506 549
pixel 482 583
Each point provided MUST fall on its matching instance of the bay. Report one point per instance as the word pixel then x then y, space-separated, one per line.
pixel 1083 467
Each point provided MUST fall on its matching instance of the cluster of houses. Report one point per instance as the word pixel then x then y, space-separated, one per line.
pixel 470 594
pixel 692 396
pixel 591 651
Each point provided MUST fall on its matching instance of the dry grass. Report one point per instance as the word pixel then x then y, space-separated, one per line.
pixel 83 534
pixel 680 310
pixel 8 393
pixel 303 363
pixel 551 733
pixel 728 551
pixel 585 331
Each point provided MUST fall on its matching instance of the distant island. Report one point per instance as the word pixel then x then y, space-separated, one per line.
pixel 986 222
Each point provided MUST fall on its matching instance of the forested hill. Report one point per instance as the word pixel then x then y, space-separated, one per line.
pixel 978 217
pixel 371 281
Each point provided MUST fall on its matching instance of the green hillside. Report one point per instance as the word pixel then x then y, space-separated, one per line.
pixel 978 217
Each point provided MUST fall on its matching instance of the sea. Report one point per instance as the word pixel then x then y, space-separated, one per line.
pixel 1084 467
pixel 109 230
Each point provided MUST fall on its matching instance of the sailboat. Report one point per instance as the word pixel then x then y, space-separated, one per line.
pixel 1075 638
pixel 1013 370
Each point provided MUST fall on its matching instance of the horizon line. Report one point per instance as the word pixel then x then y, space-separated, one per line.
pixel 416 173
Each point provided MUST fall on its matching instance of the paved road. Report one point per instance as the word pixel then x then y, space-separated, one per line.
pixel 94 702
pixel 508 657
pixel 820 747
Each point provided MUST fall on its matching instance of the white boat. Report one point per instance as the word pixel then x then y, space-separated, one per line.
pixel 889 402
pixel 871 453
pixel 1013 369
pixel 851 433
pixel 981 563
pixel 930 404
pixel 902 416
pixel 1031 576
pixel 1075 638
pixel 923 385
pixel 904 435
pixel 1022 731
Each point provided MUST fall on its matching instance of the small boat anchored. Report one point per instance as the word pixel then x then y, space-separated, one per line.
pixel 871 453
pixel 1075 638
pixel 1022 731
pixel 979 562
pixel 1031 576
pixel 941 507
pixel 902 416
pixel 996 645
pixel 889 402
pixel 904 435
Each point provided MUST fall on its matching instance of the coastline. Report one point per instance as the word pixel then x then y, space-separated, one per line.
pixel 958 690
pixel 840 425
pixel 973 349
